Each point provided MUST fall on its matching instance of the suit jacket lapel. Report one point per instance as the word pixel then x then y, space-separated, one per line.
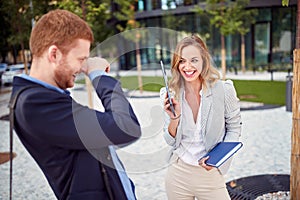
pixel 206 101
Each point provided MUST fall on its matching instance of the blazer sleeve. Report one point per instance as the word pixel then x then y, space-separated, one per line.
pixel 168 138
pixel 233 122
pixel 118 123
pixel 57 119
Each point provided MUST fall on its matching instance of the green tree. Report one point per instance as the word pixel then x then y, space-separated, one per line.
pixel 173 22
pixel 224 15
pixel 17 15
pixel 95 16
pixel 247 17
pixel 17 19
pixel 135 36
pixel 4 33
pixel 285 2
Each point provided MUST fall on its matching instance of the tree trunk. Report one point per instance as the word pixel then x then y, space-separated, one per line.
pixel 24 58
pixel 295 144
pixel 298 26
pixel 88 83
pixel 243 65
pixel 139 66
pixel 20 31
pixel 223 57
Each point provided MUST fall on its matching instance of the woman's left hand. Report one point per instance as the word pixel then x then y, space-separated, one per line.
pixel 203 164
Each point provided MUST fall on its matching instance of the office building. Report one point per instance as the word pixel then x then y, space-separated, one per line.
pixel 270 41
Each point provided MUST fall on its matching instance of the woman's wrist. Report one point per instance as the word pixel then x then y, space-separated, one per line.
pixel 175 118
pixel 173 125
pixel 172 131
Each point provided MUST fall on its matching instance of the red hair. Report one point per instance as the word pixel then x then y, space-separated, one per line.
pixel 61 28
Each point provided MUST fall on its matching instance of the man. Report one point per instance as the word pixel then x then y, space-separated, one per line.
pixel 70 142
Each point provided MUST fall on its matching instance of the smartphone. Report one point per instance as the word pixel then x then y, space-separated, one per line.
pixel 167 88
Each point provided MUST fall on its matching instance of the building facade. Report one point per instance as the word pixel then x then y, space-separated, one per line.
pixel 270 41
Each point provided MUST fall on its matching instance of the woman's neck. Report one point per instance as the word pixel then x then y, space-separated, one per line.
pixel 193 87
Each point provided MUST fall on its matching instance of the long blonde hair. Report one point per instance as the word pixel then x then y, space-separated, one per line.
pixel 209 73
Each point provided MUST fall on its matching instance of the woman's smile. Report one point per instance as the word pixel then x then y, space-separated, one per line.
pixel 189 73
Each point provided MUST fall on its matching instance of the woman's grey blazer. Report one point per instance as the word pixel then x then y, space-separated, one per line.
pixel 220 118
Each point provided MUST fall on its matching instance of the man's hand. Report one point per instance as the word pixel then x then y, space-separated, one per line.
pixel 95 63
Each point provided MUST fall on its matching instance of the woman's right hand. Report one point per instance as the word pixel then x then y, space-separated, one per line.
pixel 176 106
pixel 174 120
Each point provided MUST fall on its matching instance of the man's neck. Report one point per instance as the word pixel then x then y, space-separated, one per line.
pixel 41 70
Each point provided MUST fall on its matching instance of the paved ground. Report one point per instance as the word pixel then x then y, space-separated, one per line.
pixel 266 136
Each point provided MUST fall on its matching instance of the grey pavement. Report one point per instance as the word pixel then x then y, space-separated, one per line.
pixel 266 137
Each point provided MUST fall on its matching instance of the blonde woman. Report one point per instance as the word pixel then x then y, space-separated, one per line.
pixel 207 112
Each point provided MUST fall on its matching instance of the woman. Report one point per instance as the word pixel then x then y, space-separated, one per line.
pixel 207 112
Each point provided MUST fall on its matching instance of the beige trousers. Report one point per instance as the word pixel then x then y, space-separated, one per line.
pixel 187 182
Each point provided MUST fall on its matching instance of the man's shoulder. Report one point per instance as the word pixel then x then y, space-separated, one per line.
pixel 21 85
pixel 31 93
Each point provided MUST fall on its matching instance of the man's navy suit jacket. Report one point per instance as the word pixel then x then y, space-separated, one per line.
pixel 65 137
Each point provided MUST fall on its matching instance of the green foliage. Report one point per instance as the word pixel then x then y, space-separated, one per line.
pixel 88 11
pixel 95 16
pixel 105 17
pixel 127 15
pixel 244 16
pixel 170 21
pixel 125 10
pixel 228 16
pixel 285 2
pixel 18 16
pixel 4 33
pixel 73 6
pixel 17 19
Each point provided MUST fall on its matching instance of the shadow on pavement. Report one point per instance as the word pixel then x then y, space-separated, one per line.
pixel 263 107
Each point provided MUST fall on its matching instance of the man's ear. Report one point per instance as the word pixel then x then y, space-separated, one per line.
pixel 54 54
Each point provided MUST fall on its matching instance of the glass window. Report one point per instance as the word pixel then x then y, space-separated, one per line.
pixel 203 28
pixel 189 2
pixel 156 4
pixel 282 35
pixel 148 5
pixel 186 22
pixel 141 6
pixel 264 15
pixel 215 46
pixel 179 2
pixel 233 50
pixel 262 43
pixel 168 4
pixel 249 50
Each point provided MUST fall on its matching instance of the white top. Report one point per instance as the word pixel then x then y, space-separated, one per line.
pixel 192 145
